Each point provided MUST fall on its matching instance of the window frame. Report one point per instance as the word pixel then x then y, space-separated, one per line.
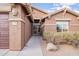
pixel 62 22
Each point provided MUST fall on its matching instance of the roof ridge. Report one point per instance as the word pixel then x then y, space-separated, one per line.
pixel 62 9
pixel 68 9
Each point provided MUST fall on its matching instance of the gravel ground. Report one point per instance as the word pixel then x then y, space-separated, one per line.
pixel 64 50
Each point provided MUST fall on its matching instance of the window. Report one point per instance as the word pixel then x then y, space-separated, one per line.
pixel 62 26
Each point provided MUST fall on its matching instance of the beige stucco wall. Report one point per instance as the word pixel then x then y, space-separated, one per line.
pixel 73 22
pixel 20 29
pixel 22 34
pixel 15 35
pixel 26 28
pixel 49 25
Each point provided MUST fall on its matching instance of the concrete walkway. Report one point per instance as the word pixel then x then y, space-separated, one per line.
pixel 32 48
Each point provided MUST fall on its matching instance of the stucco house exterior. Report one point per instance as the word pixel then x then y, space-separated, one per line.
pixel 15 24
pixel 19 21
pixel 62 20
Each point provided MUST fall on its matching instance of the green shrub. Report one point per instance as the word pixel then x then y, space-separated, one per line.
pixel 48 36
pixel 68 36
pixel 59 37
pixel 45 35
pixel 76 35
pixel 76 39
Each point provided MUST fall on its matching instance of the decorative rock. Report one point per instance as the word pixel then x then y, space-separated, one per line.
pixel 51 47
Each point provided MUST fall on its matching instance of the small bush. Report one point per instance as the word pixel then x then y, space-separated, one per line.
pixel 68 37
pixel 48 36
pixel 58 38
pixel 76 39
pixel 45 35
pixel 76 35
pixel 62 37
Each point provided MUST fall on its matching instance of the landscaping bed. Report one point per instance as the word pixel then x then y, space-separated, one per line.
pixel 60 38
pixel 64 50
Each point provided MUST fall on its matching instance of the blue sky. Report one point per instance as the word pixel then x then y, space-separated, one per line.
pixel 50 7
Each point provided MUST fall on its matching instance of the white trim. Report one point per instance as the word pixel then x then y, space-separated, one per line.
pixel 17 19
pixel 62 19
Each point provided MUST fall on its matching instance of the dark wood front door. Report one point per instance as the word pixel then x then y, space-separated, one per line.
pixel 4 31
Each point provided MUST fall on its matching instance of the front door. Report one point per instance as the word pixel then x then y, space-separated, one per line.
pixel 36 29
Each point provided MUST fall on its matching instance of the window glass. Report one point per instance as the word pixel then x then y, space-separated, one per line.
pixel 62 26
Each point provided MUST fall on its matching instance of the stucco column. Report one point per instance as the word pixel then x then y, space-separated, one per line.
pixel 14 35
pixel 15 39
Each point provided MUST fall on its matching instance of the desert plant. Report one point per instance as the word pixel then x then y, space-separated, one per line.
pixel 45 35
pixel 76 35
pixel 76 39
pixel 62 37
pixel 51 37
pixel 48 36
pixel 58 38
pixel 68 37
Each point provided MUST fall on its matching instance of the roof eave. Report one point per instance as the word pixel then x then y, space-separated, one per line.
pixel 27 9
pixel 57 11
